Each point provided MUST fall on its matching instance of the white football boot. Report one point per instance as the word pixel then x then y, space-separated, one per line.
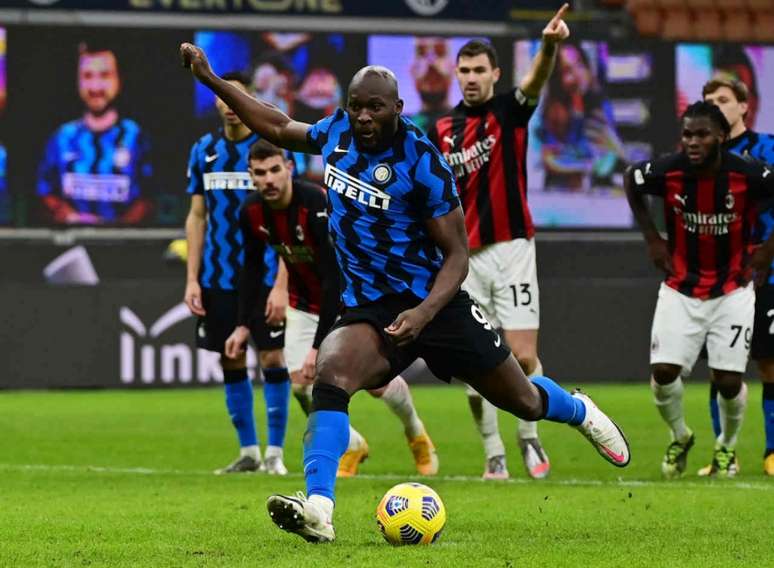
pixel 603 433
pixel 272 461
pixel 300 516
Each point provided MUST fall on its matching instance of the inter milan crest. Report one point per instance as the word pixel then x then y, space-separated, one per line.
pixel 382 173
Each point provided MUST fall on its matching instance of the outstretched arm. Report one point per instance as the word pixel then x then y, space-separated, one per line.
pixel 553 34
pixel 259 116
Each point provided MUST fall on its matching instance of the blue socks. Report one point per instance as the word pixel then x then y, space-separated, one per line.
pixel 768 416
pixel 326 439
pixel 239 401
pixel 560 405
pixel 714 410
pixel 276 393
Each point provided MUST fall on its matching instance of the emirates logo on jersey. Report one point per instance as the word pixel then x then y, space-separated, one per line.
pixel 471 158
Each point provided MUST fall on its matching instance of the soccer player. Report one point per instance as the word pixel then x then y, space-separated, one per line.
pixel 218 182
pixel 711 197
pixel 732 96
pixel 96 168
pixel 399 235
pixel 290 217
pixel 484 139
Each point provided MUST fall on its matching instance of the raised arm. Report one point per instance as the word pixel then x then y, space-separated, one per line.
pixel 553 34
pixel 259 116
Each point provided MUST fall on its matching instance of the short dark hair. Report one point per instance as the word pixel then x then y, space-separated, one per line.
pixel 737 87
pixel 237 77
pixel 264 149
pixel 477 47
pixel 708 110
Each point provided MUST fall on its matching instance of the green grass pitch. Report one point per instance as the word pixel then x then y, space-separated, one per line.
pixel 123 479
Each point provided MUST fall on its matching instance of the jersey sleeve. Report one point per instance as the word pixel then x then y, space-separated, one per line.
pixel 317 135
pixel 644 178
pixel 764 185
pixel 252 272
pixel 518 106
pixel 435 190
pixel 195 180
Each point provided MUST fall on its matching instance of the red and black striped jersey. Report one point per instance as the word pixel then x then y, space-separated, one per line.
pixel 709 219
pixel 299 234
pixel 486 146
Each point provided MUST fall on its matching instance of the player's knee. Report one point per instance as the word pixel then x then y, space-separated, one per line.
pixel 228 364
pixel 665 374
pixel 271 359
pixel 766 369
pixel 333 371
pixel 728 383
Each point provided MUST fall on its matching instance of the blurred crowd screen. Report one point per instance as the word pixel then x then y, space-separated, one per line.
pixel 695 64
pixel 594 117
pixel 5 200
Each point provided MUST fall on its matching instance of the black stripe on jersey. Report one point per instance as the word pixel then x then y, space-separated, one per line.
pixel 95 143
pixel 232 234
pixel 483 199
pixel 690 192
pixel 722 242
pixel 512 176
pixel 119 143
pixel 304 292
pixel 380 230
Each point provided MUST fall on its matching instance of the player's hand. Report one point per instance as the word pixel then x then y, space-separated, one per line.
pixel 557 31
pixel 193 57
pixel 310 365
pixel 193 298
pixel 658 251
pixel 760 262
pixel 276 306
pixel 235 344
pixel 408 325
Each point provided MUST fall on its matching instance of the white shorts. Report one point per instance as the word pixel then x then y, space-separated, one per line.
pixel 300 329
pixel 502 279
pixel 682 324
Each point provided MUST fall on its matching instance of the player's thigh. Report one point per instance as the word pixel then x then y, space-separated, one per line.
pixel 300 329
pixel 479 282
pixel 219 320
pixel 730 331
pixel 762 348
pixel 516 294
pixel 507 387
pixel 678 330
pixel 523 343
pixel 354 357
pixel 268 339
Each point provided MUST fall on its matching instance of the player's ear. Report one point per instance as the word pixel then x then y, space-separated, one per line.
pixel 399 106
pixel 496 74
pixel 744 107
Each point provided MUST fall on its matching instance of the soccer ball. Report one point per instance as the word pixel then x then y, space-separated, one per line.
pixel 411 513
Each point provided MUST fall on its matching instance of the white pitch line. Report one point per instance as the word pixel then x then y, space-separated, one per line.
pixel 717 484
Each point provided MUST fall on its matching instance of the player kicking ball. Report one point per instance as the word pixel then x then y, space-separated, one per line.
pixel 399 235
pixel 711 199
pixel 290 217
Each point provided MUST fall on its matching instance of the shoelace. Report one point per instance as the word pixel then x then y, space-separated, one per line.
pixel 674 450
pixel 724 458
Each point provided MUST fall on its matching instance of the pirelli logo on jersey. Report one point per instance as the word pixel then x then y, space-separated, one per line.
pixel 227 180
pixel 106 188
pixel 351 187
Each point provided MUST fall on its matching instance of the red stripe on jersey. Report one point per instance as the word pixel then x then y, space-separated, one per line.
pixel 674 186
pixel 497 190
pixel 739 231
pixel 520 150
pixel 708 274
pixel 470 191
pixel 255 214
pixel 303 273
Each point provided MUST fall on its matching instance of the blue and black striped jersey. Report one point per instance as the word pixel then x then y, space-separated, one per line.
pixel 96 173
pixel 217 169
pixel 5 199
pixel 378 205
pixel 760 147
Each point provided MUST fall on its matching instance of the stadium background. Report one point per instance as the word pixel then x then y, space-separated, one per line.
pixel 107 311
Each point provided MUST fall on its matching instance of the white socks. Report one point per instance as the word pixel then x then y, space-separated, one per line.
pixel 485 417
pixel 669 401
pixel 273 451
pixel 528 429
pixel 251 451
pixel 398 397
pixel 731 416
pixel 356 439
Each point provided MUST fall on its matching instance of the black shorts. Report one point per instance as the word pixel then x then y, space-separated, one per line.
pixel 763 339
pixel 458 341
pixel 222 307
